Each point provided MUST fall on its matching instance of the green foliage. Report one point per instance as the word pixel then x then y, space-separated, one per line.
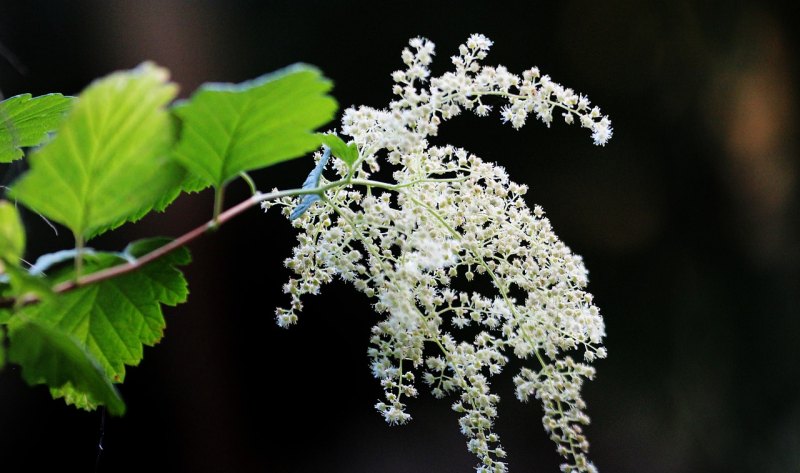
pixel 110 161
pixel 230 128
pixel 26 121
pixel 12 235
pixel 12 248
pixel 53 357
pixel 346 152
pixel 113 319
pixel 114 157
pixel 23 285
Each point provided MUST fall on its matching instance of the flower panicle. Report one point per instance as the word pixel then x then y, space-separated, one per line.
pixel 447 220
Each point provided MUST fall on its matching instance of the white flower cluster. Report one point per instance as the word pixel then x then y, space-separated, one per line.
pixel 450 220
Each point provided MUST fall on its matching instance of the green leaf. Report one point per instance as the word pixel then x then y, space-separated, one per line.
pixel 115 318
pixel 53 357
pixel 22 284
pixel 75 397
pixel 230 128
pixel 109 162
pixel 12 234
pixel 26 121
pixel 340 149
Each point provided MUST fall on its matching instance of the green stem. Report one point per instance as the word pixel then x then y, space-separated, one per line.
pixel 250 183
pixel 397 187
pixel 219 201
pixel 119 270
pixel 219 218
pixel 79 245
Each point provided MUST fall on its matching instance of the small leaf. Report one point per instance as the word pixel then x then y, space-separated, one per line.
pixel 109 162
pixel 340 149
pixel 26 122
pixel 230 128
pixel 12 234
pixel 311 182
pixel 114 318
pixel 53 357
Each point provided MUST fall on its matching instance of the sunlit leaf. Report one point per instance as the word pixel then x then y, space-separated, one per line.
pixel 26 122
pixel 52 356
pixel 113 319
pixel 12 234
pixel 340 149
pixel 231 128
pixel 110 161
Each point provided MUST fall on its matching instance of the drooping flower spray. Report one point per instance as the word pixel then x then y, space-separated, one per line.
pixel 447 215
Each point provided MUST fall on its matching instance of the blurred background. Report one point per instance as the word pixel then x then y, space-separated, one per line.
pixel 687 220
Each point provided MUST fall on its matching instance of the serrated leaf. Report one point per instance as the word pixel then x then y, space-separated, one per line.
pixel 53 357
pixel 340 149
pixel 230 128
pixel 75 397
pixel 12 234
pixel 26 122
pixel 115 318
pixel 109 162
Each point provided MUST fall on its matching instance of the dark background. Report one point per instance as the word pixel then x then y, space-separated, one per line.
pixel 687 221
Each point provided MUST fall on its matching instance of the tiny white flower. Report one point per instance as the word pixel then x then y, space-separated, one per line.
pixel 449 216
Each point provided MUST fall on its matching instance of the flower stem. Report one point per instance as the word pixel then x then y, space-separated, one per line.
pixel 220 216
